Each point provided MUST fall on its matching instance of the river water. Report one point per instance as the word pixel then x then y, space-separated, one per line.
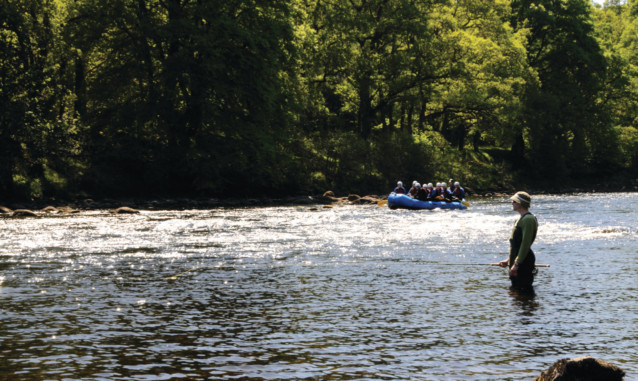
pixel 353 292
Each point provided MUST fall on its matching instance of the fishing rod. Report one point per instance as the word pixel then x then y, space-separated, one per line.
pixel 174 277
pixel 473 264
pixel 428 263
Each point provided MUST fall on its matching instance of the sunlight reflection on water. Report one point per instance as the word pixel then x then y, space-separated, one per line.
pixel 290 292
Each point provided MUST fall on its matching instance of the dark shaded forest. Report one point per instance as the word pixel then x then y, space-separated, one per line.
pixel 275 98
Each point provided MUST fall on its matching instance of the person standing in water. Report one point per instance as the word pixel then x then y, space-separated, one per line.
pixel 521 261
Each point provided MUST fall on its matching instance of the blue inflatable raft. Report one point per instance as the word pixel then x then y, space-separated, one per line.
pixel 404 201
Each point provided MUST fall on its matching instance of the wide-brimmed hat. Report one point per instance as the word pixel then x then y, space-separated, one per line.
pixel 522 198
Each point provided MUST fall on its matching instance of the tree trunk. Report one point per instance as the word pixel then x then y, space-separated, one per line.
pixel 80 86
pixel 517 152
pixel 365 107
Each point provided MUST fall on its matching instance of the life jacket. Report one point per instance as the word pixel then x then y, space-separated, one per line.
pixel 422 194
pixel 399 190
pixel 413 191
pixel 459 192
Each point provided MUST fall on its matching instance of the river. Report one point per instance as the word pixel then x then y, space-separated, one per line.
pixel 352 292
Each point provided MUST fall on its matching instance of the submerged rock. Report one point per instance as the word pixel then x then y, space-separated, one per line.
pixel 5 210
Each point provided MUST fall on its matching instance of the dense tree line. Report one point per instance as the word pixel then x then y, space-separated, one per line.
pixel 271 97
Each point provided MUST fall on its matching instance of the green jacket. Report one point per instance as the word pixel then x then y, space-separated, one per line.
pixel 522 237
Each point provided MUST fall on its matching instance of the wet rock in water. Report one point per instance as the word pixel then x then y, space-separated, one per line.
pixel 354 197
pixel 327 198
pixel 24 213
pixel 369 200
pixel 50 209
pixel 582 369
pixel 68 209
pixel 125 210
pixel 5 210
pixel 609 231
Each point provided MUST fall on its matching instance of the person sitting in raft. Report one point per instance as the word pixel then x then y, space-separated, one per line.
pixel 458 193
pixel 432 192
pixel 442 193
pixel 416 187
pixel 425 188
pixel 422 194
pixel 413 191
pixel 447 193
pixel 399 189
pixel 436 193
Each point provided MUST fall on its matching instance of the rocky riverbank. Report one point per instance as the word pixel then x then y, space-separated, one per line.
pixel 132 206
pixel 326 200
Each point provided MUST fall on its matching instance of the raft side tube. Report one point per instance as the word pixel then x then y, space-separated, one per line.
pixel 406 202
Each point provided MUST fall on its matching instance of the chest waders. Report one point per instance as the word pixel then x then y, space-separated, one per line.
pixel 527 268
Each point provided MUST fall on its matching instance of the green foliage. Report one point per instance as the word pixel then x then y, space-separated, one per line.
pixel 253 97
pixel 617 31
pixel 629 147
pixel 405 156
pixel 183 96
pixel 564 118
pixel 38 132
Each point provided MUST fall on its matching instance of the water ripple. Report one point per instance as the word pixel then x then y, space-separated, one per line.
pixel 289 293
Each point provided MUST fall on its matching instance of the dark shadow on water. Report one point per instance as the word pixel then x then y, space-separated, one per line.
pixel 525 298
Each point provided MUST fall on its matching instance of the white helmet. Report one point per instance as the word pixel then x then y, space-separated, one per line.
pixel 430 185
pixel 417 186
pixel 457 184
pixel 400 183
